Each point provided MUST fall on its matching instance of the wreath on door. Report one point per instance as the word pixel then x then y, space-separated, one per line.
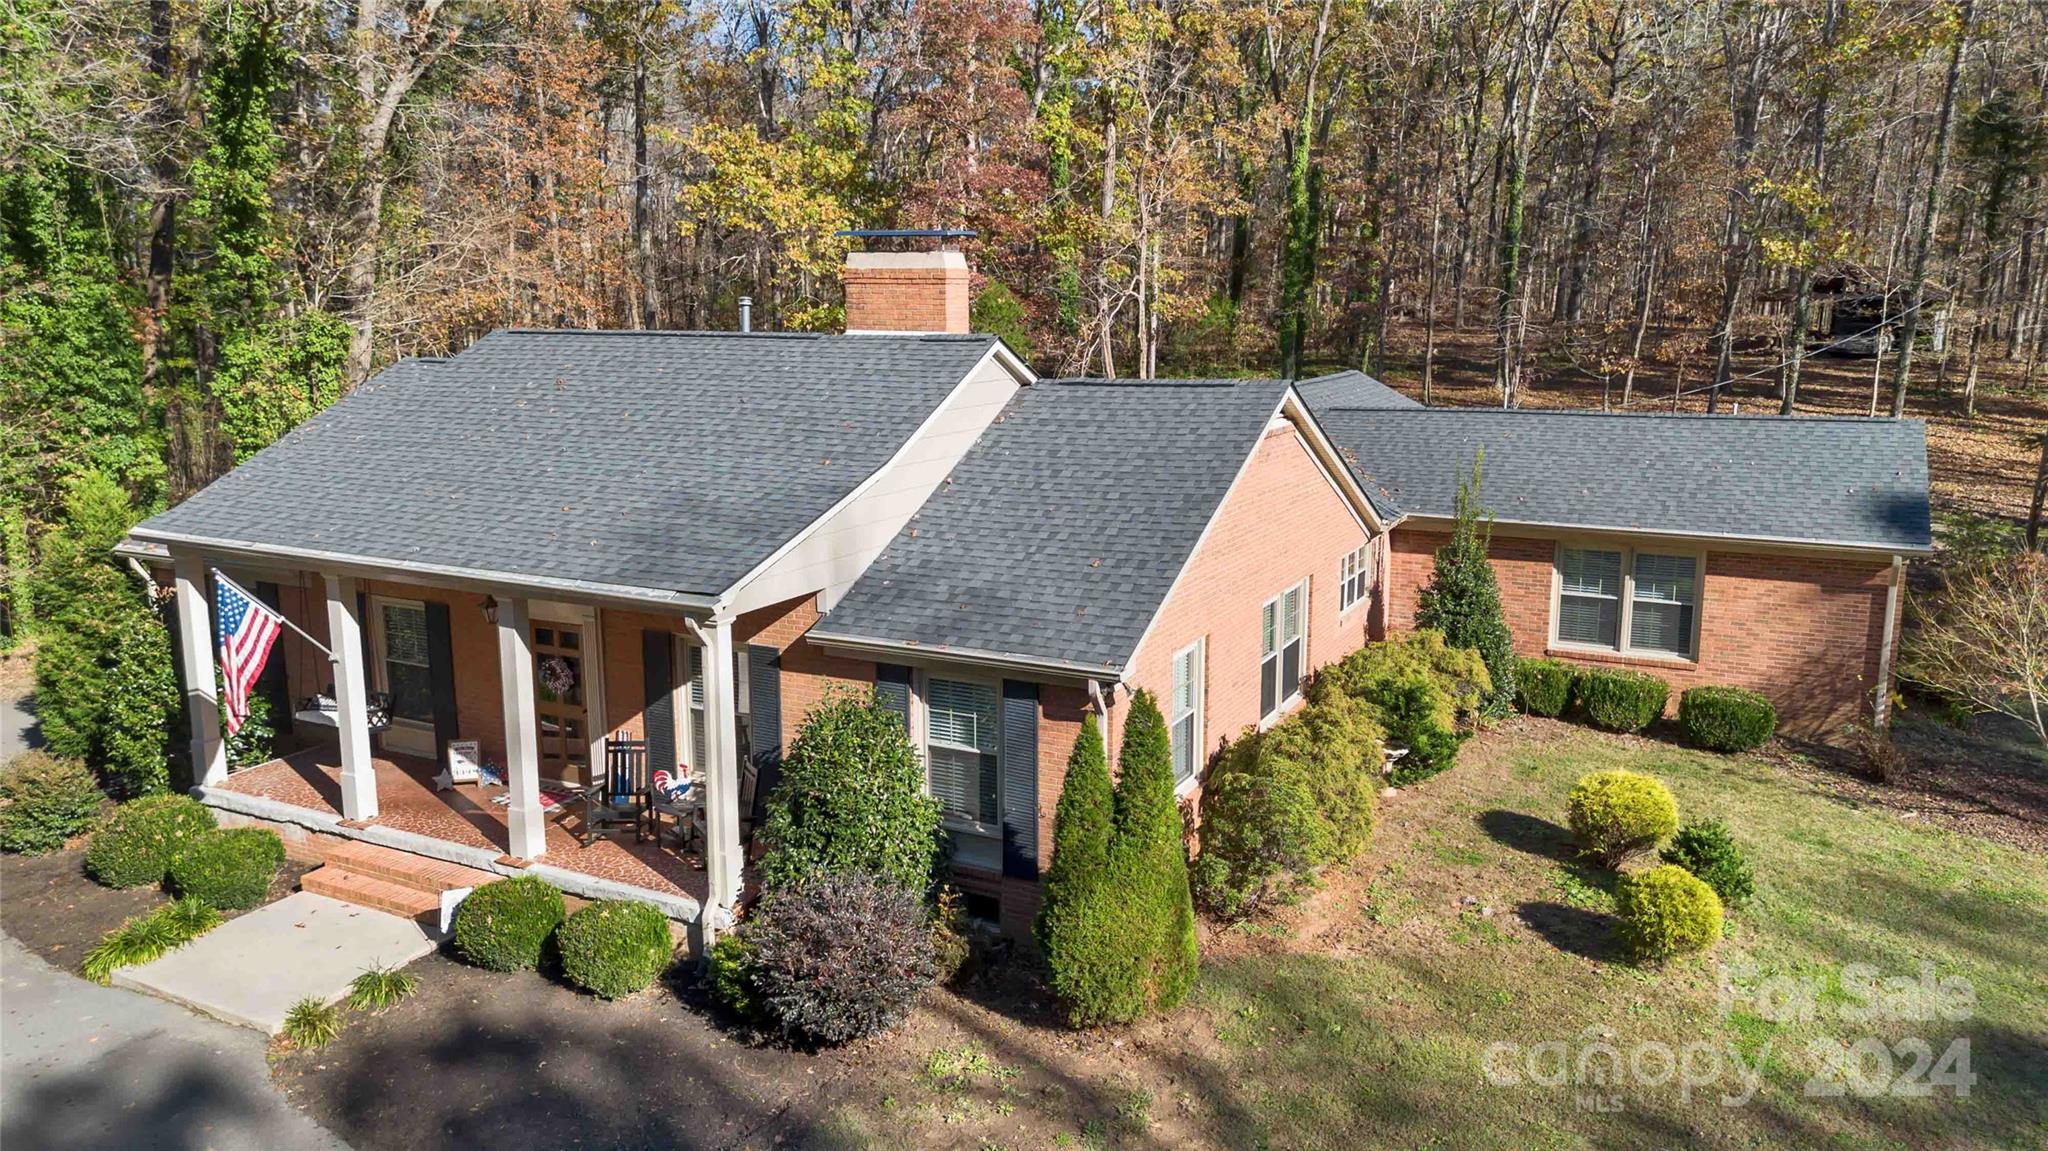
pixel 558 675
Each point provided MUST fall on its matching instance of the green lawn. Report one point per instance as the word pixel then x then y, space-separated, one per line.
pixel 1373 1027
pixel 1364 1018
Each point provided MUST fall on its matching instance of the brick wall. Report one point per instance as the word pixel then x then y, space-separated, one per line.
pixel 1805 630
pixel 906 292
pixel 1281 524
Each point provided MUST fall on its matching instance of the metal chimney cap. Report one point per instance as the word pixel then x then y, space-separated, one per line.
pixel 942 235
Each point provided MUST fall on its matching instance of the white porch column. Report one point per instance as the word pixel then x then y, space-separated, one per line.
pixel 723 862
pixel 522 729
pixel 351 700
pixel 195 660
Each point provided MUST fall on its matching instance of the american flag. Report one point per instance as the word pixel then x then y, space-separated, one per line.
pixel 247 630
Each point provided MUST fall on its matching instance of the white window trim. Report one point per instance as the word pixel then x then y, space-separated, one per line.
pixel 1200 651
pixel 1623 648
pixel 922 709
pixel 1283 706
pixel 1364 555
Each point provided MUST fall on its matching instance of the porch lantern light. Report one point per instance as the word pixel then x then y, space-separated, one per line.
pixel 491 609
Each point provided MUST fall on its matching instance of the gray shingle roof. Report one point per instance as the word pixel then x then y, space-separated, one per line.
pixel 1058 535
pixel 668 461
pixel 1854 482
pixel 1350 389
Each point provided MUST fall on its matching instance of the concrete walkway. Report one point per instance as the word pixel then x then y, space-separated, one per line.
pixel 89 1068
pixel 253 968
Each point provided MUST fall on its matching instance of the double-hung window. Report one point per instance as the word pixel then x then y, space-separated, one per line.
pixel 695 702
pixel 962 739
pixel 1354 578
pixel 1626 600
pixel 1185 724
pixel 1281 625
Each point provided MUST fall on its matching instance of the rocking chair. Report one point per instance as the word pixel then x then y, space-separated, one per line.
pixel 620 798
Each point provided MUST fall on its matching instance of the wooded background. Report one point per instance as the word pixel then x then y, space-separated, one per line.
pixel 220 216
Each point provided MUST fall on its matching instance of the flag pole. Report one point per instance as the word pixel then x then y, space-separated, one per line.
pixel 253 598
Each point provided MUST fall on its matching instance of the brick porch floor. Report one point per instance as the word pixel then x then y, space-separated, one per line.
pixel 407 801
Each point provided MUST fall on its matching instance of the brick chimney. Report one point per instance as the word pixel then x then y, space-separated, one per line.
pixel 906 292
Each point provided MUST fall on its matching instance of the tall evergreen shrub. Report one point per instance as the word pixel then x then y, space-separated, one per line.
pixel 852 799
pixel 1463 599
pixel 1122 943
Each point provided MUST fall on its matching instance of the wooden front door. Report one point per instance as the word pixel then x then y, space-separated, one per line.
pixel 560 666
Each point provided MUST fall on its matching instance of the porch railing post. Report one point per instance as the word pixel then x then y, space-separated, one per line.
pixel 351 699
pixel 527 828
pixel 195 660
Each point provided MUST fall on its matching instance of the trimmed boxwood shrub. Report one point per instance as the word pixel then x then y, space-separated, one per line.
pixel 1726 718
pixel 852 798
pixel 615 947
pixel 1667 911
pixel 1619 700
pixel 839 957
pixel 505 925
pixel 1707 849
pixel 1280 806
pixel 1544 686
pixel 137 842
pixel 729 976
pixel 1615 814
pixel 228 868
pixel 44 800
pixel 1414 687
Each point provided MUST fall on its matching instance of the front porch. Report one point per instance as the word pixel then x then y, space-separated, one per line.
pixel 462 825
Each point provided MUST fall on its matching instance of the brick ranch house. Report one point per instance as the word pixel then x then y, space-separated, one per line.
pixel 558 539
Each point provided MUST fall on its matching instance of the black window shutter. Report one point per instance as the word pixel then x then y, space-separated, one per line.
pixel 441 677
pixel 657 661
pixel 363 633
pixel 892 687
pixel 274 681
pixel 764 701
pixel 1020 779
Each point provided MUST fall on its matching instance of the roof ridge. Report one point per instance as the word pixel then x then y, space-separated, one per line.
pixel 1774 417
pixel 1177 382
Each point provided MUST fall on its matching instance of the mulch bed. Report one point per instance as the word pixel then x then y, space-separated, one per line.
pixel 54 909
pixel 1987 780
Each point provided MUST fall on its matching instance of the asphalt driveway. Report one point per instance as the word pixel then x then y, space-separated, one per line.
pixel 90 1068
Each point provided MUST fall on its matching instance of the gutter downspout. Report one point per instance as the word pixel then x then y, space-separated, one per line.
pixel 1881 710
pixel 1101 709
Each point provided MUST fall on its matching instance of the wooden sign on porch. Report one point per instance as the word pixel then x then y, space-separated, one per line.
pixel 463 757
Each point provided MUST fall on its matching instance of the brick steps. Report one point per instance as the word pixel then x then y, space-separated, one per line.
pixel 386 880
pixel 369 891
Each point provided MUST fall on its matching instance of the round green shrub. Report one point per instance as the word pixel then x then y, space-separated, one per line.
pixel 840 957
pixel 1707 849
pixel 228 868
pixel 1726 718
pixel 1619 700
pixel 44 800
pixel 505 925
pixel 1615 814
pixel 615 947
pixel 729 976
pixel 1544 686
pixel 137 842
pixel 852 798
pixel 1667 911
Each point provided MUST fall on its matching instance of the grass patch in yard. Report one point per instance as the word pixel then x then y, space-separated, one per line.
pixel 1345 1052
